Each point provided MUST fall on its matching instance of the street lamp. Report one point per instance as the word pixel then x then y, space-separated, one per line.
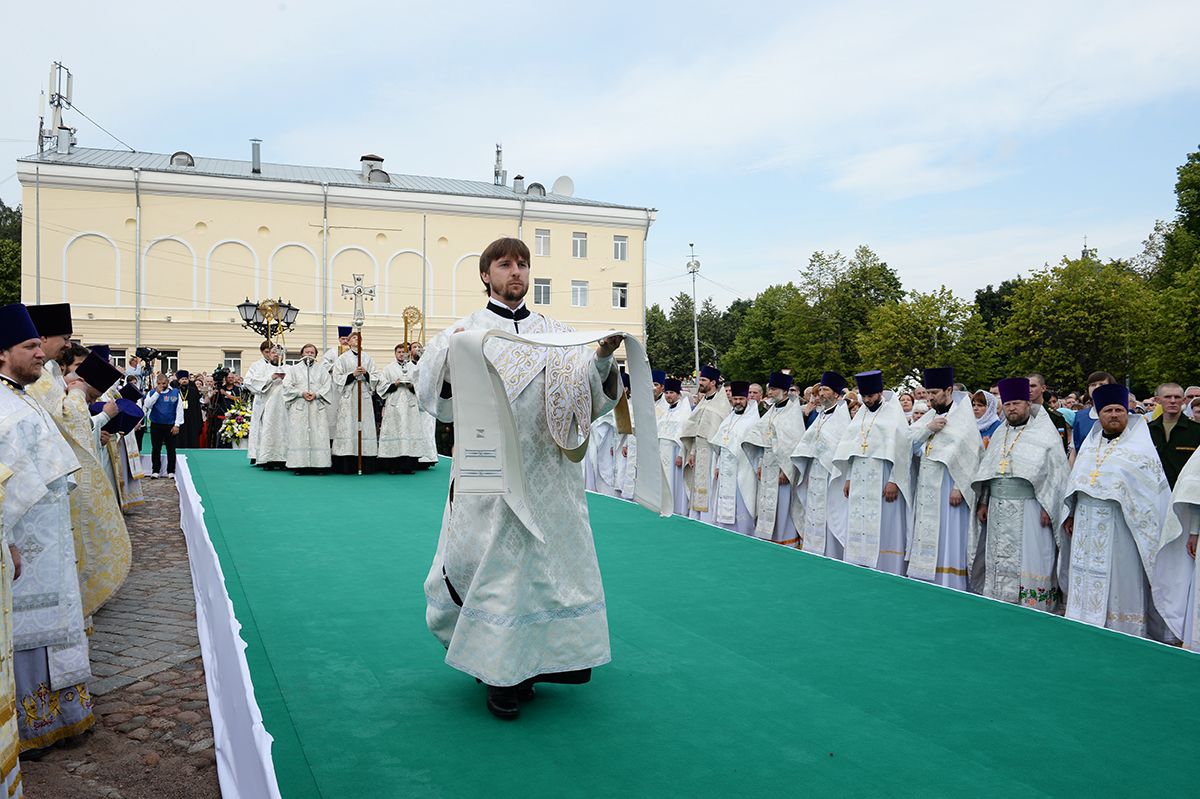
pixel 268 318
pixel 693 266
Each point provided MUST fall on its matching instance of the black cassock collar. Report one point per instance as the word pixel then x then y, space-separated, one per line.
pixel 508 313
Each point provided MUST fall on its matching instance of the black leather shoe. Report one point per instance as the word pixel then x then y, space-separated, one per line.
pixel 577 677
pixel 525 692
pixel 502 702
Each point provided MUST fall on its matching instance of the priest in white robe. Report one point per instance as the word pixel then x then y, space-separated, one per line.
pixel 272 439
pixel 670 448
pixel 1019 487
pixel 735 484
pixel 327 362
pixel 769 445
pixel 429 457
pixel 10 735
pixel 699 460
pixel 600 465
pixel 404 437
pixel 307 387
pixel 626 453
pixel 511 606
pixel 818 480
pixel 50 655
pixel 948 447
pixel 875 456
pixel 1183 521
pixel 353 383
pixel 260 380
pixel 1123 574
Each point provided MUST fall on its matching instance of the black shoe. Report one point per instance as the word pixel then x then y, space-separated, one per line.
pixel 502 702
pixel 525 692
pixel 577 677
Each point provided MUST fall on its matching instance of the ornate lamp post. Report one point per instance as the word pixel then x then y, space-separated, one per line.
pixel 269 318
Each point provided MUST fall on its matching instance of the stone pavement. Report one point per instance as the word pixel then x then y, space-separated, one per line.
pixel 150 698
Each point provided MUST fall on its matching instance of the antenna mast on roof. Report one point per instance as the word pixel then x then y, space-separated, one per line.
pixel 59 85
pixel 500 176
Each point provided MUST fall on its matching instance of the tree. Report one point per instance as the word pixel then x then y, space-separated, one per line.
pixel 10 254
pixel 993 303
pixel 755 351
pixel 1077 317
pixel 656 335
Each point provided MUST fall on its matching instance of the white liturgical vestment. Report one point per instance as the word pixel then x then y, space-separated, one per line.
pixel 735 482
pixel 819 484
pixel 307 420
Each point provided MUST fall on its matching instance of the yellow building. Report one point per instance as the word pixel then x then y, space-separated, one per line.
pixel 157 250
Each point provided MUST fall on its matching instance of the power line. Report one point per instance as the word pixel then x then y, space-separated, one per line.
pixel 111 135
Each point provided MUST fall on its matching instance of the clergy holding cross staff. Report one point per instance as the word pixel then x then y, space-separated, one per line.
pixel 354 438
pixel 514 591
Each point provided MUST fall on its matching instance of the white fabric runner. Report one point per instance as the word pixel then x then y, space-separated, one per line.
pixel 488 458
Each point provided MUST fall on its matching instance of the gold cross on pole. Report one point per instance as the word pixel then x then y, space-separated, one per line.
pixel 359 292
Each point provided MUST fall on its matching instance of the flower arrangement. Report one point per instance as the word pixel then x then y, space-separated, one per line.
pixel 236 426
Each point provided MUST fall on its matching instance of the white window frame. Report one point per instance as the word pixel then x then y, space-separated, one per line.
pixel 579 242
pixel 541 242
pixel 232 360
pixel 172 361
pixel 292 358
pixel 579 293
pixel 119 359
pixel 620 290
pixel 541 285
pixel 620 248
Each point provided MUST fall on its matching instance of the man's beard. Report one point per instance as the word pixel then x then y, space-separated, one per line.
pixel 739 411
pixel 872 407
pixel 27 376
pixel 511 292
pixel 941 408
pixel 1018 421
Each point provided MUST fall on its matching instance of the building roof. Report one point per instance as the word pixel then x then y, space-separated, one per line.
pixel 292 173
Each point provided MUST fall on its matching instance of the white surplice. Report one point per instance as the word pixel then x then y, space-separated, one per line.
pixel 1012 556
pixel 307 420
pixel 528 607
pixel 735 482
pixel 405 431
pixel 47 608
pixel 1184 521
pixel 670 450
pixel 273 437
pixel 874 451
pixel 258 381
pixel 600 465
pixel 819 484
pixel 327 363
pixel 346 387
pixel 769 445
pixel 696 436
pixel 1122 570
pixel 937 545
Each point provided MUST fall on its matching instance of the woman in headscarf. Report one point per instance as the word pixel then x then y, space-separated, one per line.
pixel 987 419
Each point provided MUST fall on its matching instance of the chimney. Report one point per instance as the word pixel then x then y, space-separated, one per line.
pixel 369 162
pixel 256 156
pixel 519 184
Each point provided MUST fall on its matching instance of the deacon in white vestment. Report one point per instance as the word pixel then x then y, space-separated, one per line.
pixel 353 383
pixel 769 445
pixel 50 655
pixel 327 362
pixel 875 455
pixel 626 452
pixel 1019 488
pixel 1123 573
pixel 259 381
pixel 511 606
pixel 734 482
pixel 306 390
pixel 819 487
pixel 948 447
pixel 429 458
pixel 1183 521
pixel 404 436
pixel 670 448
pixel 699 460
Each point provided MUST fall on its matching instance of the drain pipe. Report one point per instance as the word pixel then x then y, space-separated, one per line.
pixel 137 258
pixel 324 267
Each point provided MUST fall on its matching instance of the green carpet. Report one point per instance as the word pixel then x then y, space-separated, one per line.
pixel 739 668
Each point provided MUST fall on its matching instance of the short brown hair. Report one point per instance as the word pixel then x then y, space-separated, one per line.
pixel 266 345
pixel 501 248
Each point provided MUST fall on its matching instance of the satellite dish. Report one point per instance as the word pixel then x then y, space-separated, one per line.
pixel 564 186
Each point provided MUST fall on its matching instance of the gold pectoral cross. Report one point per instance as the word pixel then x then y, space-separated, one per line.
pixel 1003 466
pixel 864 446
pixel 1095 475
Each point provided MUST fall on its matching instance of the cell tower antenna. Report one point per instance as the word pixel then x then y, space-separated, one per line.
pixel 60 86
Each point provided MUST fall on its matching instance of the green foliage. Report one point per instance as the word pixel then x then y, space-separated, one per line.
pixel 10 254
pixel 993 304
pixel 755 350
pixel 1079 316
pixel 669 339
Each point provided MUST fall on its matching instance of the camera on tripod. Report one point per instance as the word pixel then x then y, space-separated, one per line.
pixel 148 353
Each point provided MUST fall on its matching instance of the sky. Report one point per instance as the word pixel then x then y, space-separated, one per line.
pixel 964 143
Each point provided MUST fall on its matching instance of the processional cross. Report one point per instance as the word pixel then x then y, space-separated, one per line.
pixel 359 292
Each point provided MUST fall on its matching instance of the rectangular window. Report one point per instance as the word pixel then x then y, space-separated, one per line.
pixel 620 248
pixel 579 292
pixel 118 359
pixel 292 358
pixel 541 242
pixel 579 245
pixel 620 295
pixel 168 361
pixel 541 291
pixel 233 360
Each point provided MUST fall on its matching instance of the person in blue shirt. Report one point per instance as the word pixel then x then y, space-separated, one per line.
pixel 1085 417
pixel 165 409
pixel 984 404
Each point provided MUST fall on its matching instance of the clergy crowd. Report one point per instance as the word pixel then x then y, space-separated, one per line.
pixel 70 469
pixel 339 411
pixel 1089 510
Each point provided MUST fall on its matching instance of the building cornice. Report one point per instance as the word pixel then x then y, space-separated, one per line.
pixel 89 178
